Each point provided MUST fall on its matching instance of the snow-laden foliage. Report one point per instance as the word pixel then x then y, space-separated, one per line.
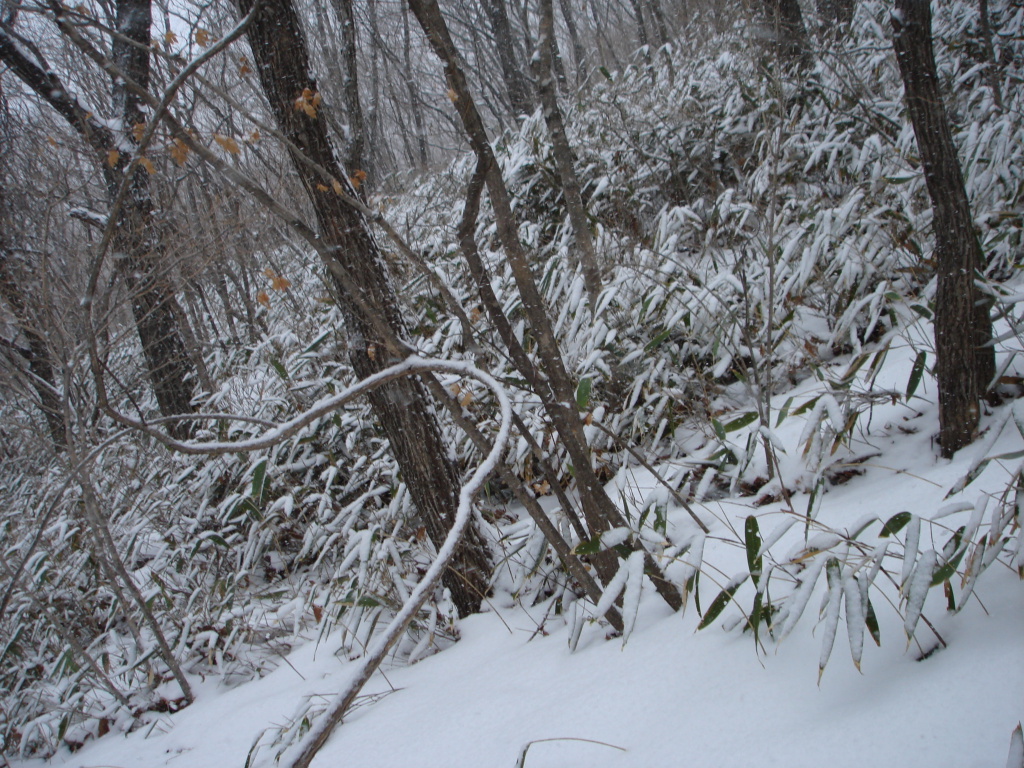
pixel 759 234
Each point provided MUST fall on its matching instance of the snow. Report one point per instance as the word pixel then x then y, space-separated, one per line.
pixel 670 695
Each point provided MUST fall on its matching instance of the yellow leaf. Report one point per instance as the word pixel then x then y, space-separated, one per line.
pixel 371 351
pixel 112 157
pixel 148 165
pixel 137 130
pixel 51 141
pixel 357 178
pixel 466 399
pixel 227 143
pixel 202 37
pixel 179 152
pixel 475 314
pixel 270 273
pixel 254 137
pixel 308 101
pixel 263 298
pixel 323 188
pixel 170 38
pixel 243 66
pixel 338 189
pixel 279 283
pixel 453 95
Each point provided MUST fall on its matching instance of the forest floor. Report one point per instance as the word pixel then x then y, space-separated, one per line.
pixel 671 696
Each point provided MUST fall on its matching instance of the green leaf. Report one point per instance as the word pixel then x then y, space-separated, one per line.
pixel 719 429
pixel 317 342
pixel 807 406
pixel 922 311
pixel 719 603
pixel 973 475
pixel 741 421
pixel 752 537
pixel 783 412
pixel 259 483
pixel 871 620
pixel 279 368
pixel 916 373
pixel 894 524
pixel 583 393
pixel 608 75
pixel 657 340
pixel 591 547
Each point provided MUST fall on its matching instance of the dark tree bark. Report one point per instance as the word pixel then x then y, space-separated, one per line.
pixel 515 82
pixel 36 353
pixel 789 32
pixel 963 327
pixel 402 407
pixel 835 12
pixel 143 266
pixel 414 94
pixel 641 29
pixel 563 156
pixel 655 11
pixel 354 150
pixel 145 272
pixel 578 51
pixel 985 27
pixel 552 384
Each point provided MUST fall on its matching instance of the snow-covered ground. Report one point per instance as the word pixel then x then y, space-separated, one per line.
pixel 669 695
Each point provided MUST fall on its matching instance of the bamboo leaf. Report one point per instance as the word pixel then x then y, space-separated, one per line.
pixel 916 373
pixel 895 524
pixel 719 603
pixel 583 393
pixel 752 538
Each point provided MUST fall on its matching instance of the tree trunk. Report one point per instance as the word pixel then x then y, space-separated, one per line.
pixel 402 407
pixel 414 95
pixel 556 389
pixel 353 158
pixel 145 271
pixel 835 12
pixel 143 263
pixel 963 327
pixel 985 27
pixel 515 83
pixel 563 157
pixel 578 52
pixel 654 6
pixel 641 29
pixel 37 353
pixel 789 33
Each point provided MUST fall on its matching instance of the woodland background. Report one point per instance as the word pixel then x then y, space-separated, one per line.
pixel 739 250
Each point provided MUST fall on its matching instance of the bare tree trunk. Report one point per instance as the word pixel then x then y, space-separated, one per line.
pixel 353 158
pixel 963 327
pixel 578 52
pixel 790 33
pixel 654 6
pixel 564 159
pixel 414 94
pixel 145 271
pixel 37 355
pixel 641 29
pixel 515 83
pixel 142 267
pixel 556 389
pixel 990 53
pixel 402 406
pixel 835 12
